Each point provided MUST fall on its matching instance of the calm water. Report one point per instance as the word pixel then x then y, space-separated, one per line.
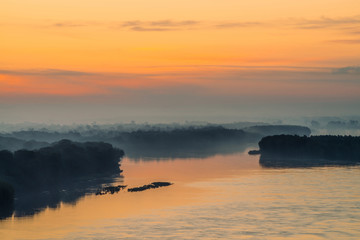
pixel 220 197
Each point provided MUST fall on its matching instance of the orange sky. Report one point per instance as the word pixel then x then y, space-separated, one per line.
pixel 108 48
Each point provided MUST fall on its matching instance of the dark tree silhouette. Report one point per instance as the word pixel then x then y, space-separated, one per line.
pixel 7 194
pixel 64 171
pixel 287 150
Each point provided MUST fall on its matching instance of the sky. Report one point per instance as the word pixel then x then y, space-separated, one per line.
pixel 164 60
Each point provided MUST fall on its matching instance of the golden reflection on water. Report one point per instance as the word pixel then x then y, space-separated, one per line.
pixel 55 223
pixel 220 197
pixel 189 169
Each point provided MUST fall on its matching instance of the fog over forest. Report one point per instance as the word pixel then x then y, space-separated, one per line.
pixel 46 164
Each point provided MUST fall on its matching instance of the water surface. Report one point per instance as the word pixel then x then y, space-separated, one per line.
pixel 218 197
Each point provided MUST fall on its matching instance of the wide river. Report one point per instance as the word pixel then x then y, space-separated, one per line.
pixel 218 197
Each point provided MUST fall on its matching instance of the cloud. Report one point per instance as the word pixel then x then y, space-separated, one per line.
pixel 131 23
pixel 161 25
pixel 227 84
pixel 346 41
pixel 237 24
pixel 71 73
pixel 347 70
pixel 44 72
pixel 169 23
pixel 147 29
pixel 68 24
pixel 326 22
pixel 349 24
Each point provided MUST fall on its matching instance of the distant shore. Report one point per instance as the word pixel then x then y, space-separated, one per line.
pixel 292 150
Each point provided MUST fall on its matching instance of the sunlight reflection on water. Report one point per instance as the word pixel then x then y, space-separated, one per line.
pixel 314 203
pixel 231 197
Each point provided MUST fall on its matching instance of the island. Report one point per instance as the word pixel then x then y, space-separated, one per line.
pixel 254 152
pixel 68 169
pixel 303 151
pixel 149 186
pixel 110 189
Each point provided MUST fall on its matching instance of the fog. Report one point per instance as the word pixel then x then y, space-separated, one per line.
pixel 38 152
pixel 87 113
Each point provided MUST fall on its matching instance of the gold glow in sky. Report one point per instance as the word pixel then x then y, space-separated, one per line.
pixel 251 48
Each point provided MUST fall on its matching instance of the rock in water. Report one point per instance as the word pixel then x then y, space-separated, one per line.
pixel 149 186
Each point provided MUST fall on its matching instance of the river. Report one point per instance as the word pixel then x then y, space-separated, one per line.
pixel 217 197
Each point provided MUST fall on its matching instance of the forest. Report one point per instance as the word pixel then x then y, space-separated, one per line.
pixel 62 165
pixel 292 150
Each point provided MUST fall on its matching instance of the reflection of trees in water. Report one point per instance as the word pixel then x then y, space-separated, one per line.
pixel 6 199
pixel 6 211
pixel 282 162
pixel 31 202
